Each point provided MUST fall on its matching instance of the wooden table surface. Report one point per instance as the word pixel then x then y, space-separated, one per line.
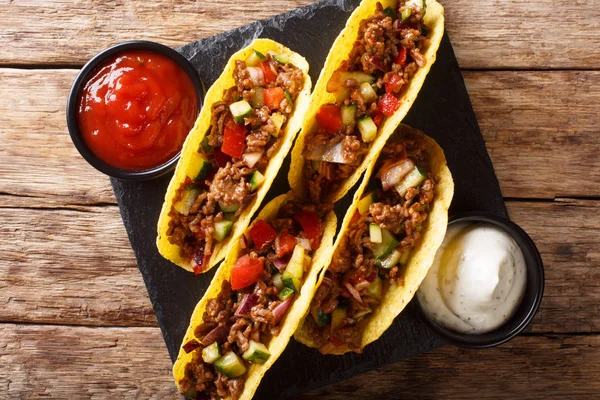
pixel 75 319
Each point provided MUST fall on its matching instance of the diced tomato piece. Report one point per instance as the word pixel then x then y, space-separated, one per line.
pixel 262 234
pixel 401 59
pixel 273 97
pixel 269 71
pixel 394 83
pixel 309 221
pixel 285 244
pixel 221 159
pixel 388 104
pixel 234 138
pixel 329 117
pixel 377 118
pixel 246 271
pixel 336 341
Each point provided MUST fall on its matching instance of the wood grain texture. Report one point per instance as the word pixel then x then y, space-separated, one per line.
pixel 58 362
pixel 531 133
pixel 486 34
pixel 70 267
pixel 542 130
pixel 87 284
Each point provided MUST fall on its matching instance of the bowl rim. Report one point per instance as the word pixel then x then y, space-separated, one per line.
pixel 82 78
pixel 499 335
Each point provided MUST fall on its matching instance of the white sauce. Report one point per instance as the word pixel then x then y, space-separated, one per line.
pixel 477 279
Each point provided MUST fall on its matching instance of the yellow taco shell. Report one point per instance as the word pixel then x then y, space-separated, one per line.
pixel 395 297
pixel 191 160
pixel 434 19
pixel 294 315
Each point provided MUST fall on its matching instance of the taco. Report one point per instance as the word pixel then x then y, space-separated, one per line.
pixel 255 301
pixel 371 77
pixel 386 245
pixel 250 117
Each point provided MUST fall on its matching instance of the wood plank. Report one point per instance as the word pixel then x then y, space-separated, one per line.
pixel 553 367
pixel 84 264
pixel 66 362
pixel 542 130
pixel 531 133
pixel 70 267
pixel 39 162
pixel 486 34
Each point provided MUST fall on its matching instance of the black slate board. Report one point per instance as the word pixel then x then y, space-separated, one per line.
pixel 443 110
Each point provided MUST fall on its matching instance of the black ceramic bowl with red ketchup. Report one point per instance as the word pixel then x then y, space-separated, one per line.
pixel 131 108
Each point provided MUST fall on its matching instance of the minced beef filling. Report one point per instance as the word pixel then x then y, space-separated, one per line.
pixel 228 183
pixel 234 332
pixel 389 47
pixel 349 280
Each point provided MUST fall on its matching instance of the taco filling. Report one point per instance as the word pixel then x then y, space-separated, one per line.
pixel 239 323
pixel 376 246
pixel 368 87
pixel 243 135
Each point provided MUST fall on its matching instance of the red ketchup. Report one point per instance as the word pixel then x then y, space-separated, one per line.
pixel 136 110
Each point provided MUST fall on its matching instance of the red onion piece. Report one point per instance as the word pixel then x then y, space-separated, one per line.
pixel 243 242
pixel 392 174
pixel 304 242
pixel 280 264
pixel 218 334
pixel 353 292
pixel 280 310
pixel 191 346
pixel 252 158
pixel 257 76
pixel 248 301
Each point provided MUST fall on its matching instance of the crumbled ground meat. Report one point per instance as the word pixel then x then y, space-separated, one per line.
pixel 233 329
pixel 228 182
pixel 353 267
pixel 379 42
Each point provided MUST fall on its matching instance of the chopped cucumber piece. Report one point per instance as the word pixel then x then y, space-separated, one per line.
pixel 255 58
pixel 322 318
pixel 228 208
pixel 361 314
pixel 278 282
pixel 337 316
pixel 417 3
pixel 256 181
pixel 413 179
pixel 288 96
pixel 240 110
pixel 205 168
pixel 367 128
pixel 365 203
pixel 189 195
pixel 389 12
pixel 315 164
pixel 258 100
pixel 291 282
pixel 358 76
pixel 278 120
pixel 375 233
pixel 349 114
pixel 230 365
pixel 367 92
pixel 211 353
pixel 281 58
pixel 206 148
pixel 375 289
pixel 406 14
pixel 296 264
pixel 222 229
pixel 404 257
pixel 388 242
pixel 256 353
pixel 285 293
pixel 390 261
